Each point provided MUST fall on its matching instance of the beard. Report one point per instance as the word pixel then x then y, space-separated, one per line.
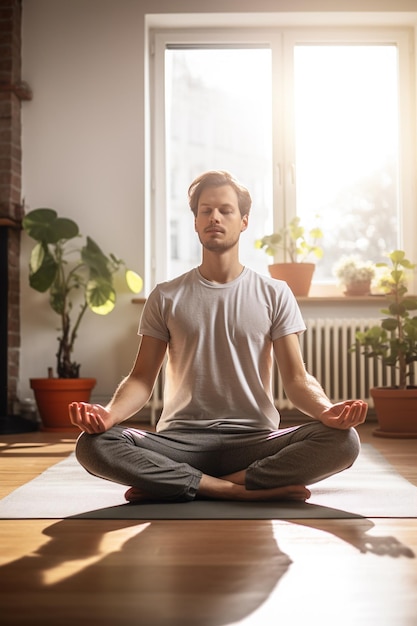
pixel 219 245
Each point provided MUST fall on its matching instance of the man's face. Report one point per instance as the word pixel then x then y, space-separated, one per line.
pixel 218 222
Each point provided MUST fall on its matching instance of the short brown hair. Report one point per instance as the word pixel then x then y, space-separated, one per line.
pixel 217 178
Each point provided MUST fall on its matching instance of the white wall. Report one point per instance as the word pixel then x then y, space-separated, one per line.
pixel 83 156
pixel 84 137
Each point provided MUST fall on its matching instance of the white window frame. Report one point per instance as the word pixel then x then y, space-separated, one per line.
pixel 281 42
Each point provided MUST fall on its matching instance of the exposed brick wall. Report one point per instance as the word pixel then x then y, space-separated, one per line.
pixel 13 318
pixel 12 91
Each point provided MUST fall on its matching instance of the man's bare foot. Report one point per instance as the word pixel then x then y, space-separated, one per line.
pixel 237 477
pixel 138 495
pixel 290 492
pixel 225 489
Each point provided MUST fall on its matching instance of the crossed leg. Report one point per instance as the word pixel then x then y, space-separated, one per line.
pixel 184 465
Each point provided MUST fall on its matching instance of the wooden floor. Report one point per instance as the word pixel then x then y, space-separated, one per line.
pixel 121 572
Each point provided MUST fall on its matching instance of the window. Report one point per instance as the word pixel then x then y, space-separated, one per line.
pixel 346 148
pixel 218 116
pixel 314 124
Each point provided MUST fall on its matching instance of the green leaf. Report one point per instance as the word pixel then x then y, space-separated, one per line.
pixel 389 324
pixel 100 296
pixel 64 228
pixel 397 308
pixel 316 233
pixel 37 257
pixel 43 268
pixel 97 262
pixel 134 281
pixel 410 303
pixel 397 276
pixel 397 256
pixel 45 225
pixel 318 252
pixel 36 222
pixel 407 264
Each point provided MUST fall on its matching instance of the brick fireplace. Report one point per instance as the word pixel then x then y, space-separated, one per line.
pixel 12 92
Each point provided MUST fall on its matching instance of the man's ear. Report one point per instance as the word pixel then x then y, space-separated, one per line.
pixel 245 221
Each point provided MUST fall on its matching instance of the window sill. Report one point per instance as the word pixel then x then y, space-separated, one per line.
pixel 319 299
pixel 377 298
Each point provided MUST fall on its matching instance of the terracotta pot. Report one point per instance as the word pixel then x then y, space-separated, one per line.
pixel 298 276
pixel 53 395
pixel 358 288
pixel 396 411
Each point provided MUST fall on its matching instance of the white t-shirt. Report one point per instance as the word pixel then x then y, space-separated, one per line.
pixel 220 358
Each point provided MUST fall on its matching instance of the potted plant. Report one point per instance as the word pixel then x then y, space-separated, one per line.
pixel 71 275
pixel 394 342
pixel 297 246
pixel 356 275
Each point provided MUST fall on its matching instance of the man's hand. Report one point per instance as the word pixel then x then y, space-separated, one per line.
pixel 344 415
pixel 91 418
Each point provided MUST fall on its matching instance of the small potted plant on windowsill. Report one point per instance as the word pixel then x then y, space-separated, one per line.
pixel 297 246
pixel 70 275
pixel 355 274
pixel 394 341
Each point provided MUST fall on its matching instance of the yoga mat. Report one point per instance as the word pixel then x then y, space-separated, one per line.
pixel 371 488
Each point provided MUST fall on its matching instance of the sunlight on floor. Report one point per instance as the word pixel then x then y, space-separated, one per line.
pixel 112 541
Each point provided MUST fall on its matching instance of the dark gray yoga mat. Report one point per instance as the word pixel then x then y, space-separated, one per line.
pixel 371 488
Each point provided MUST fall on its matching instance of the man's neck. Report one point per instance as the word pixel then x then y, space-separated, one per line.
pixel 220 272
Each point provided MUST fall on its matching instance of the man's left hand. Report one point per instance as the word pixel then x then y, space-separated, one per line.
pixel 344 415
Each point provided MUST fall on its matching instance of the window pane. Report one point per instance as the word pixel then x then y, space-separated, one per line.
pixel 218 117
pixel 346 121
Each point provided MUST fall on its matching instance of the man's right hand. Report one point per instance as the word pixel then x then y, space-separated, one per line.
pixel 91 418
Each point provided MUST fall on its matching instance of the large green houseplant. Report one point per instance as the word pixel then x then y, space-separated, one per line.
pixel 297 246
pixel 77 278
pixel 394 342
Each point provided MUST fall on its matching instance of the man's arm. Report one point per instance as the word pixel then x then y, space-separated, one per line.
pixel 130 396
pixel 305 392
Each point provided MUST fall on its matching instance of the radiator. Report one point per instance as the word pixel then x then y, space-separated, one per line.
pixel 326 347
pixel 326 351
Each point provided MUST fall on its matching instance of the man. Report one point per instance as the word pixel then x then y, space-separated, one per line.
pixel 218 434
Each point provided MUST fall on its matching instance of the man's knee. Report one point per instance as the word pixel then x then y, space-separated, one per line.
pixel 347 444
pixel 84 449
pixel 352 445
pixel 90 448
pixel 344 442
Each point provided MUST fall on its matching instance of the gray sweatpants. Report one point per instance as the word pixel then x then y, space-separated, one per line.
pixel 170 464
